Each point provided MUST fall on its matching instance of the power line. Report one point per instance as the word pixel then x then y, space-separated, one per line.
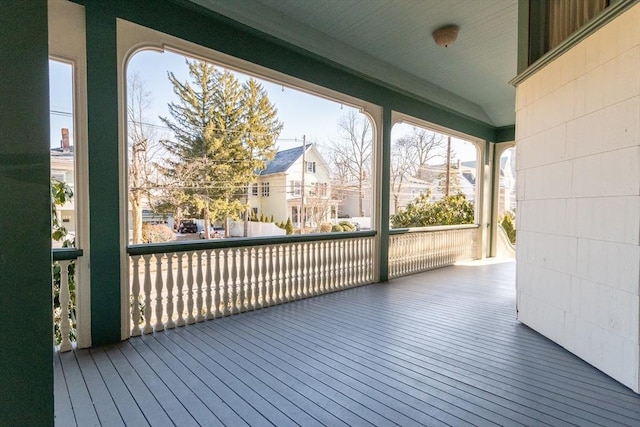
pixel 60 113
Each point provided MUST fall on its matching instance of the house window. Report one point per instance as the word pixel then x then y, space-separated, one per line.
pixel 254 189
pixel 265 189
pixel 294 214
pixel 311 167
pixel 296 188
pixel 322 190
pixel 552 22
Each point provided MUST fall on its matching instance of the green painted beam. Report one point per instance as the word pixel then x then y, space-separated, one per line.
pixel 104 211
pixel 26 336
pixel 505 134
pixel 385 193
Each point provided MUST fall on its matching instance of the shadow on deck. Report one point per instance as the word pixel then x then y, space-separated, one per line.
pixel 437 348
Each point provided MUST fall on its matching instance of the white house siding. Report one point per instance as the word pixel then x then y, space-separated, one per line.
pixel 578 165
pixel 275 203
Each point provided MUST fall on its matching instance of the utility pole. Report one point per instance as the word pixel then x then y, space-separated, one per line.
pixel 446 193
pixel 304 170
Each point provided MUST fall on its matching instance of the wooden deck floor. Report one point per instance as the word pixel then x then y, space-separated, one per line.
pixel 438 348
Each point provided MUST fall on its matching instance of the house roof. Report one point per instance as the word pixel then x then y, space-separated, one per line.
pixel 283 160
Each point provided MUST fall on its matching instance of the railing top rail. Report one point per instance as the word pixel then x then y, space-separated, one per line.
pixel 432 228
pixel 63 254
pixel 185 246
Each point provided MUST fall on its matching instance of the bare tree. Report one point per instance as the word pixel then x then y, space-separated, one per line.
pixel 410 158
pixel 402 168
pixel 350 155
pixel 423 146
pixel 143 147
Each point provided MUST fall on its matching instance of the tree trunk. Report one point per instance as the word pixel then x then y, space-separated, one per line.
pixel 136 217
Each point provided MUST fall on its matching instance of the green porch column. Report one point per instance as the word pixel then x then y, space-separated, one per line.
pixel 385 191
pixel 102 105
pixel 26 334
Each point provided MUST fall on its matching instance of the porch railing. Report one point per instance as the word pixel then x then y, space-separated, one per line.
pixel 64 305
pixel 173 284
pixel 420 249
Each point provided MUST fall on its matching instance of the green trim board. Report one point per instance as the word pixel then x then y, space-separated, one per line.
pixel 65 254
pixel 104 185
pixel 505 134
pixel 26 350
pixel 201 245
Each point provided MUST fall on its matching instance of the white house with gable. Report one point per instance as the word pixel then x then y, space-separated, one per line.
pixel 278 191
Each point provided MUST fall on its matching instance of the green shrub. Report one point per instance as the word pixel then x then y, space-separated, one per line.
pixel 289 226
pixel 509 226
pixel 347 226
pixel 451 210
pixel 337 228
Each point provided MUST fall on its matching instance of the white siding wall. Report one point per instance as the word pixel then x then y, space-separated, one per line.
pixel 578 256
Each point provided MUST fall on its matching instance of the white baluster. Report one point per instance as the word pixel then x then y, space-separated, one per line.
pixel 234 280
pixel 252 301
pixel 170 295
pixel 216 284
pixel 353 271
pixel 307 271
pixel 326 263
pixel 257 291
pixel 147 294
pixel 63 297
pixel 271 285
pixel 331 260
pixel 135 297
pixel 159 326
pixel 295 272
pixel 242 303
pixel 208 300
pixel 276 278
pixel 288 262
pixel 199 279
pixel 313 268
pixel 180 283
pixel 266 301
pixel 190 318
pixel 225 282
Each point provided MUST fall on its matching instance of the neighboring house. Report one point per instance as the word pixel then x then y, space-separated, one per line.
pixel 278 191
pixel 62 169
pixel 507 180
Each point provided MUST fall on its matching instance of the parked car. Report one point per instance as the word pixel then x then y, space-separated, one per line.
pixel 188 226
pixel 215 231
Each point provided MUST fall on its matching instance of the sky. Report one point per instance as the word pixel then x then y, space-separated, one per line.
pixel 302 114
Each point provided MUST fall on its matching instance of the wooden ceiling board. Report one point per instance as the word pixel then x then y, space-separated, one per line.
pixel 390 40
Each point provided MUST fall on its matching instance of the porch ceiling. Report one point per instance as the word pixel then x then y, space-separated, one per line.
pixel 390 41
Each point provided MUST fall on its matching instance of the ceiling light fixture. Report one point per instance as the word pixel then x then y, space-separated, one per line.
pixel 445 36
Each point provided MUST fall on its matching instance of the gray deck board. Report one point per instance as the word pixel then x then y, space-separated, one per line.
pixel 105 408
pixel 437 348
pixel 83 410
pixel 122 398
pixel 63 409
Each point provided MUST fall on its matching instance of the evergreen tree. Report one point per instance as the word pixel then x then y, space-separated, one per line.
pixel 225 132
